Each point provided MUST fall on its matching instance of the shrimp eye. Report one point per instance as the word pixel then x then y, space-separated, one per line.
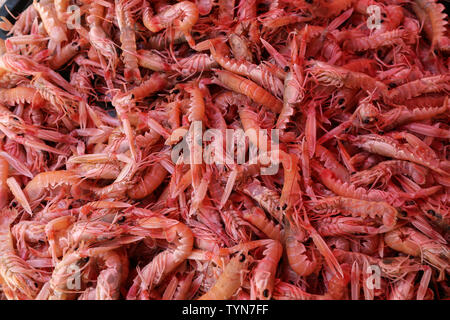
pixel 176 91
pixel 286 69
pixel 366 120
pixel 85 259
pixel 309 1
pixel 121 220
pixel 380 132
pixel 179 78
pixel 432 212
pixel 132 96
pixel 341 101
pixel 403 213
pixel 392 85
pixel 410 202
pixel 266 293
pixel 278 208
pixel 284 206
pixel 242 257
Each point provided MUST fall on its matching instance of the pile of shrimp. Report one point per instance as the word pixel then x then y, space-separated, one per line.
pixel 95 96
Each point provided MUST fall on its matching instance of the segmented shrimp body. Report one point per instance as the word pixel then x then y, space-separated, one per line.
pixel 41 183
pixel 349 190
pixel 434 19
pixel 389 147
pixel 250 89
pixel 357 208
pixel 165 262
pixel 268 199
pixel 259 74
pixel 389 38
pixel 402 115
pixel 4 170
pixel 21 95
pixel 414 243
pixel 382 173
pixel 333 226
pixel 258 218
pixel 433 84
pixel 128 38
pixel 302 261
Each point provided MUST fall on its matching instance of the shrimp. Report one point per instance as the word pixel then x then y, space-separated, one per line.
pixel 263 279
pixel 67 280
pixel 257 217
pixel 414 243
pixel 349 190
pixel 165 262
pixel 197 63
pixel 389 147
pixel 68 52
pixel 102 44
pixel 257 73
pixel 293 84
pixel 250 89
pixel 150 60
pixel 18 278
pixel 357 208
pixel 49 181
pixel 330 75
pixel 402 115
pixel 110 279
pixel 287 291
pixel 128 38
pixel 150 181
pixel 155 83
pixel 230 280
pixel 382 173
pixel 4 192
pixel 301 260
pixel 412 89
pixel 183 15
pixel 333 226
pixel 21 95
pixel 267 199
pixel 435 23
pixel 55 29
pixel 375 41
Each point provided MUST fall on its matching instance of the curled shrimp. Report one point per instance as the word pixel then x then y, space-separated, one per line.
pixel 161 228
pixel 183 15
pixel 414 243
pixel 18 278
